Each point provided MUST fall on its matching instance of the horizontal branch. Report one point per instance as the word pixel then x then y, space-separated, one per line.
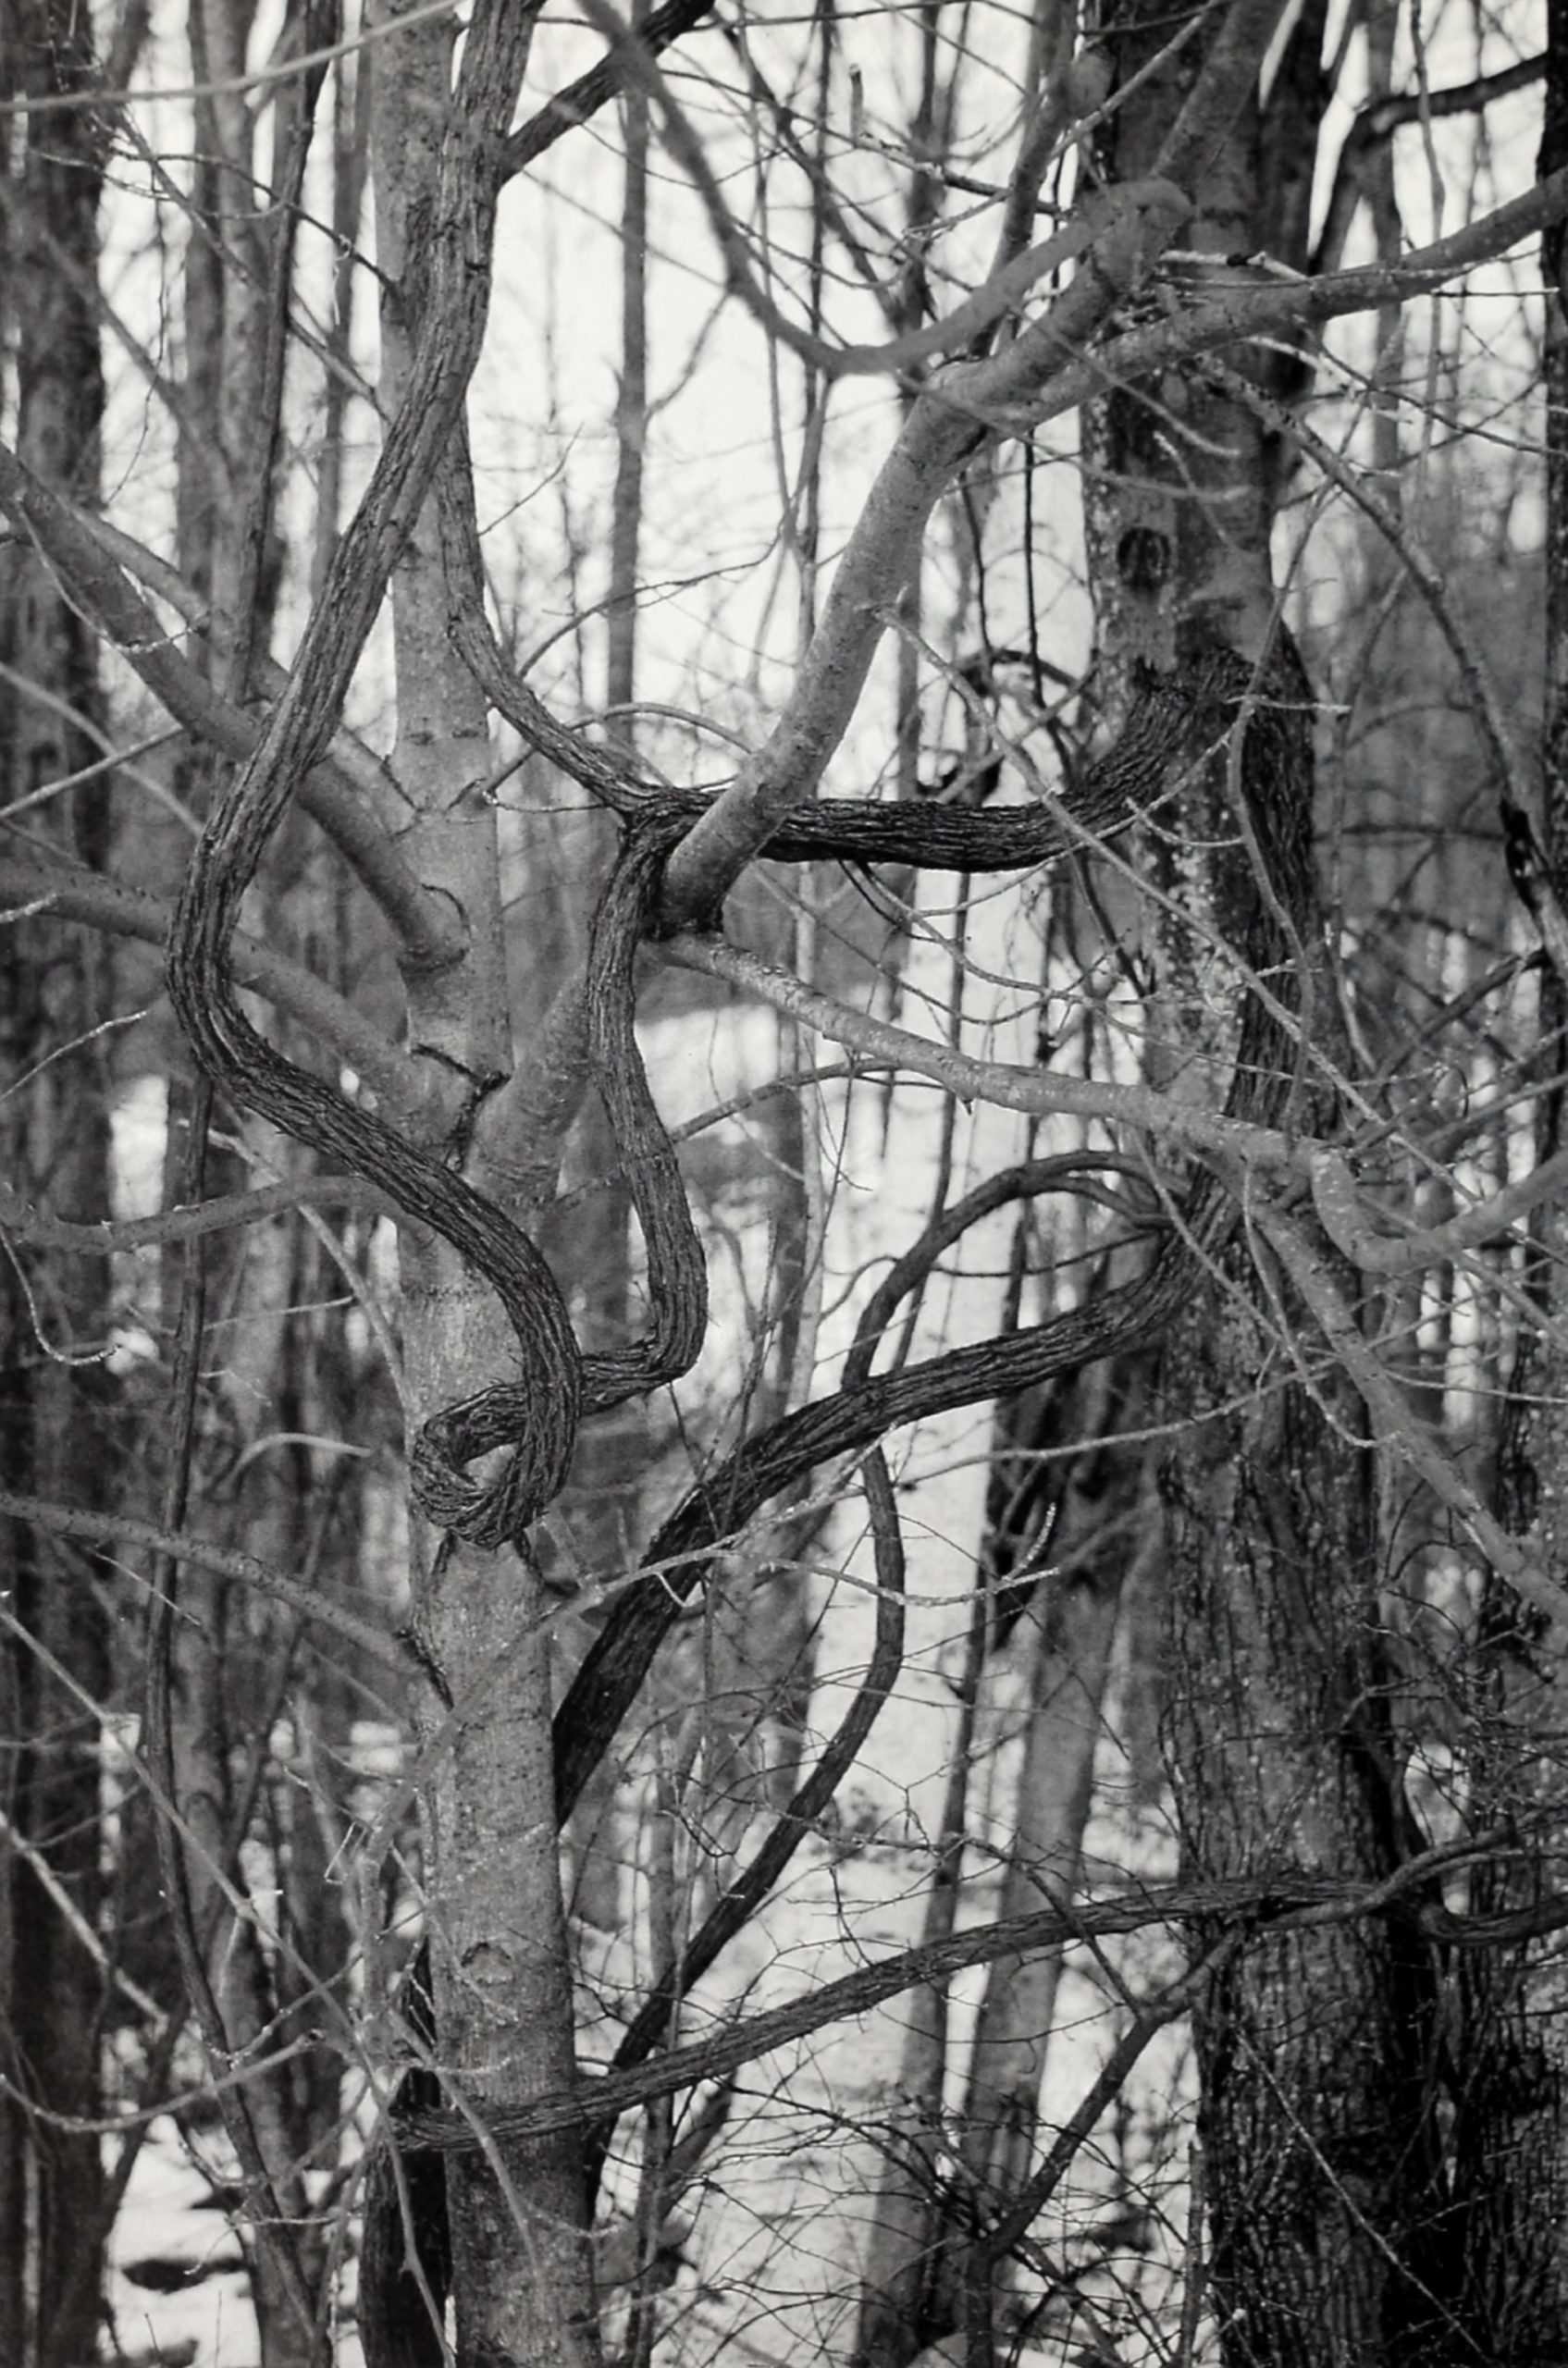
pixel 1009 1086
pixel 1283 1900
pixel 1353 1226
pixel 123 911
pixel 19 1221
pixel 1382 117
pixel 948 422
pixel 112 1531
pixel 1376 125
pixel 1256 308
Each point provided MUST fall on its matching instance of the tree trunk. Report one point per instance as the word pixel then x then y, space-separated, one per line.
pixel 232 1675
pixel 1073 1628
pixel 1511 2129
pixel 56 1395
pixel 522 2265
pixel 1311 2048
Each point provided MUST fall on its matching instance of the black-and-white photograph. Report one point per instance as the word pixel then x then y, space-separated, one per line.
pixel 783 1184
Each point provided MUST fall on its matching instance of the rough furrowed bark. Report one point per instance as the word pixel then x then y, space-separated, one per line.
pixel 1317 2151
pixel 1285 1750
pixel 1316 2148
pixel 534 1418
pixel 1509 2216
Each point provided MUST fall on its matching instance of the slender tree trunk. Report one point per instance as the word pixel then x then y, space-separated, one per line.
pixel 232 1675
pixel 226 279
pixel 601 1503
pixel 523 2272
pixel 55 1398
pixel 1072 1630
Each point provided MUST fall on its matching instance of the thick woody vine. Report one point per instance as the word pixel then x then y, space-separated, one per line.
pixel 1217 708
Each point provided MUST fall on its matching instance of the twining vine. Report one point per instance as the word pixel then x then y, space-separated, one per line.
pixel 1177 724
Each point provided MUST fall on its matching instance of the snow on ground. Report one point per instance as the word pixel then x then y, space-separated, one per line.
pixel 166 2227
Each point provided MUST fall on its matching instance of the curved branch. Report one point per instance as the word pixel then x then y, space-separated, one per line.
pixel 677 1268
pixel 947 423
pixel 745 1894
pixel 535 1415
pixel 852 1419
pixel 604 772
pixel 1376 125
pixel 1063 1171
pixel 1273 759
pixel 1280 1901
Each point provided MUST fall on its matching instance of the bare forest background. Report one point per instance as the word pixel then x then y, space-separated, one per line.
pixel 783 1364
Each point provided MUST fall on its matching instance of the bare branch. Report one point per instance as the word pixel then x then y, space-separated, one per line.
pixel 426 928
pixel 1130 228
pixel 21 1222
pixel 1279 307
pixel 1277 1901
pixel 1348 1221
pixel 113 1530
pixel 581 99
pixel 124 911
pixel 1376 124
pixel 740 1901
pixel 1399 1432
pixel 1001 294
pixel 1007 1084
pixel 362 772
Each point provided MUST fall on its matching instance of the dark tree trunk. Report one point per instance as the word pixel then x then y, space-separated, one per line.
pixel 1510 2127
pixel 55 1392
pixel 1311 2049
